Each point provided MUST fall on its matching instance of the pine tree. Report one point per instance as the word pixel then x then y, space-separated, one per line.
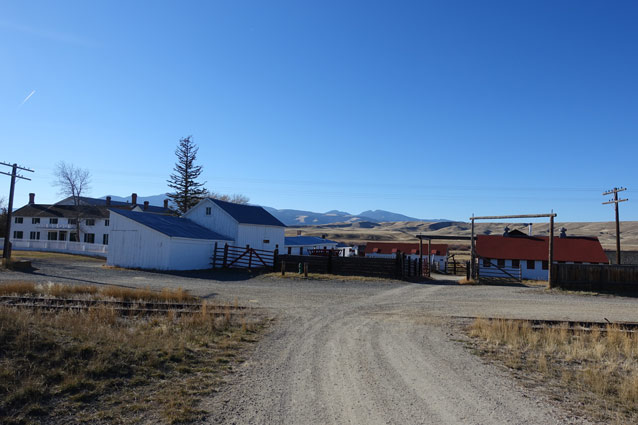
pixel 188 191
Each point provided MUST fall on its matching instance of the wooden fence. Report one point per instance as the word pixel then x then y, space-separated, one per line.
pixel 228 256
pixel 393 268
pixel 596 277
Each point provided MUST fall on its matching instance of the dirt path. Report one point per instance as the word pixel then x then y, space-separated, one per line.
pixel 364 352
pixel 361 363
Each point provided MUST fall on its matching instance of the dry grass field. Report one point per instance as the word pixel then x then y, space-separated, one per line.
pixel 98 366
pixel 597 368
pixel 405 231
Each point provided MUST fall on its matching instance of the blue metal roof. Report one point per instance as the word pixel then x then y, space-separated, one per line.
pixel 248 214
pixel 172 226
pixel 306 240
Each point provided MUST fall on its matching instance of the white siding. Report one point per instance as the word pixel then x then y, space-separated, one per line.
pixel 255 235
pixel 191 254
pixel 134 245
pixel 303 249
pixel 218 221
pixel 44 227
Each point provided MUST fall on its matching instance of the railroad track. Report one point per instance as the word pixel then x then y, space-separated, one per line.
pixel 572 325
pixel 122 307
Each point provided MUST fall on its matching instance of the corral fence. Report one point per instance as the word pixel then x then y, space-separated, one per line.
pixel 456 267
pixel 400 267
pixel 228 256
pixel 596 277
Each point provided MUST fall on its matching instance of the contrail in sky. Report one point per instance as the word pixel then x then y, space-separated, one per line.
pixel 26 98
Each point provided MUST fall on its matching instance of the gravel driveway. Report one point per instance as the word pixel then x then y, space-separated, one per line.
pixel 365 352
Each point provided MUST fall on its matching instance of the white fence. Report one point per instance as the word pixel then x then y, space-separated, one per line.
pixel 93 249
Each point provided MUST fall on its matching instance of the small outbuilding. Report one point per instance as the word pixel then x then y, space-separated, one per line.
pixel 303 245
pixel 438 253
pixel 160 242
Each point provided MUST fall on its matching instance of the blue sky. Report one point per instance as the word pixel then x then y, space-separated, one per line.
pixel 431 109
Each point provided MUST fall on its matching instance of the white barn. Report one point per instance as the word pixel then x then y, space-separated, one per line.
pixel 159 242
pixel 242 224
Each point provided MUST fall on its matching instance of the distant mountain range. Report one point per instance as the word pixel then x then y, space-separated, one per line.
pixel 306 218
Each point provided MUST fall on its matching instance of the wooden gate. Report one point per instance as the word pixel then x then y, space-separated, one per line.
pixel 242 257
pixel 497 274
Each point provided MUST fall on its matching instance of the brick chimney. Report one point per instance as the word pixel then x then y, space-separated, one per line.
pixel 134 198
pixel 165 204
pixel 108 200
pixel 31 198
pixel 145 205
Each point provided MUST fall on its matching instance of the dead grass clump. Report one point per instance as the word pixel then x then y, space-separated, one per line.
pixel 97 364
pixel 468 282
pixel 599 365
pixel 18 288
pixel 146 294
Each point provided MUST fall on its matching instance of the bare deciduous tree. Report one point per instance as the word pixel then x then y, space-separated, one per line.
pixel 72 182
pixel 234 198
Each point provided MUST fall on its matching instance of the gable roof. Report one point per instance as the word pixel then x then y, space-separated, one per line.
pixel 98 202
pixel 172 226
pixel 248 214
pixel 61 211
pixel 404 247
pixel 568 249
pixel 307 240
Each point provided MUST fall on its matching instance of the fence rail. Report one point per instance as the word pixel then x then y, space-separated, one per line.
pixel 92 249
pixel 596 277
pixel 500 273
pixel 228 256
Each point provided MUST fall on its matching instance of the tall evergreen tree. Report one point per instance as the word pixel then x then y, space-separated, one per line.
pixel 188 191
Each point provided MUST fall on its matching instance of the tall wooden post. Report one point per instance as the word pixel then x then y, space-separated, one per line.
pixel 421 255
pixel 225 255
pixel 550 277
pixel 6 253
pixel 472 267
pixel 429 257
pixel 215 256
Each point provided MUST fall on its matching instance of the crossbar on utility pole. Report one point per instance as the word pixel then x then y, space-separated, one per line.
pixel 6 249
pixel 616 201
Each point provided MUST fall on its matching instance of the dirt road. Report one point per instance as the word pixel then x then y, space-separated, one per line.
pixel 367 352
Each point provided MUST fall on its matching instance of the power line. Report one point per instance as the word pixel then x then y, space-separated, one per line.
pixel 616 201
pixel 6 250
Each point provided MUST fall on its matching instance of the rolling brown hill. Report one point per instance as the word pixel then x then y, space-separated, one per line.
pixel 361 232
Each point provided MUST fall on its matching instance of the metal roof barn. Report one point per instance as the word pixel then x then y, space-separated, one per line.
pixel 151 241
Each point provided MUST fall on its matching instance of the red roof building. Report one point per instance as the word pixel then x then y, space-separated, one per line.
pixel 406 248
pixel 570 249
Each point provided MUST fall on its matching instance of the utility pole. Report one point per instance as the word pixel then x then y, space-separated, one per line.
pixel 616 201
pixel 6 250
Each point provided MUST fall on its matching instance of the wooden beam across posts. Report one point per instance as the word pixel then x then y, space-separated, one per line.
pixel 498 217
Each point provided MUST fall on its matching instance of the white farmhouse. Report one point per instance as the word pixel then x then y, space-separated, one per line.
pixel 242 224
pixel 53 227
pixel 160 242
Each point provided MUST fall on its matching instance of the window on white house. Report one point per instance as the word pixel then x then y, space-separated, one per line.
pixel 52 236
pixel 105 239
pixel 73 221
pixel 18 220
pixel 486 262
pixel 89 237
pixel 545 264
pixel 107 222
pixel 35 220
pixel 266 241
pixel 90 222
pixel 516 264
pixel 531 264
pixel 73 237
pixel 209 210
pixel 17 234
pixel 34 236
pixel 53 221
pixel 500 262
